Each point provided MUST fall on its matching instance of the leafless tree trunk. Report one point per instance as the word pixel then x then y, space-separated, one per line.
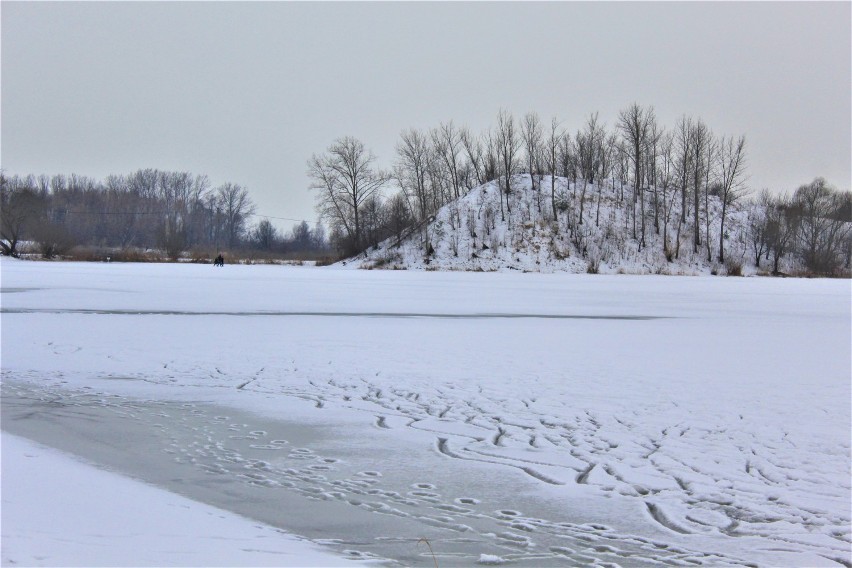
pixel 531 133
pixel 344 178
pixel 781 227
pixel 508 143
pixel 653 144
pixel 236 206
pixel 709 172
pixel 606 168
pixel 20 208
pixel 664 181
pixel 699 143
pixel 589 144
pixel 824 226
pixel 635 124
pixel 552 159
pixel 412 165
pixel 474 152
pixel 732 163
pixel 448 145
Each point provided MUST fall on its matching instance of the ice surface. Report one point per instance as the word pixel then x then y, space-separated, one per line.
pixel 58 511
pixel 542 419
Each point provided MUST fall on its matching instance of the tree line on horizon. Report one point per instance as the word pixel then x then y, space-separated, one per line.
pixel 147 209
pixel 666 179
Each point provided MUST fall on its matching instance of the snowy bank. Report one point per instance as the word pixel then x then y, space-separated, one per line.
pixel 60 511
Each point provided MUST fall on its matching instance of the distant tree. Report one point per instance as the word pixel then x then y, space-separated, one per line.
pixel 264 236
pixel 345 177
pixel 757 223
pixel 824 226
pixel 666 174
pixel 491 158
pixel 474 152
pixel 589 143
pixel 781 227
pixel 700 146
pixel 682 161
pixel 318 240
pixel 236 206
pixel 302 236
pixel 398 215
pixel 568 169
pixel 411 169
pixel 53 237
pixel 608 156
pixel 552 161
pixel 710 185
pixel 20 209
pixel 531 134
pixel 635 123
pixel 447 144
pixel 651 156
pixel 732 163
pixel 373 217
pixel 507 143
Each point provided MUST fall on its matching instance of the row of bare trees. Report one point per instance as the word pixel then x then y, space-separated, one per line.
pixel 149 208
pixel 681 183
pixel 434 167
pixel 814 225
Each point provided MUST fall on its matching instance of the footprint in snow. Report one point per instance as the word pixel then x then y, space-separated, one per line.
pixel 466 501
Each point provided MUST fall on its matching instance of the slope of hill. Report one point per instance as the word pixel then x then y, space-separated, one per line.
pixel 479 233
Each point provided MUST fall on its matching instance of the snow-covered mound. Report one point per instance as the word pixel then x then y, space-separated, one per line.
pixel 479 233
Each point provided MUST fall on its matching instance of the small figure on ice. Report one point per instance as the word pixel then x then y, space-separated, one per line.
pixel 219 261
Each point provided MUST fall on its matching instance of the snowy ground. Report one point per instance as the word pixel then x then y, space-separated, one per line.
pixel 58 511
pixel 532 419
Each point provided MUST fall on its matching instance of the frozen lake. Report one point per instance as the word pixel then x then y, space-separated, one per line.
pixel 536 419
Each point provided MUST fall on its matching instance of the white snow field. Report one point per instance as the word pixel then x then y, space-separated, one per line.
pixel 488 418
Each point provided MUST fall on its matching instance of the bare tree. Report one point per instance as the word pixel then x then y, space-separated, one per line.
pixel 20 209
pixel 635 123
pixel 757 222
pixel 531 134
pixel 655 135
pixel 781 227
pixel 508 143
pixel 552 161
pixel 607 157
pixel 374 219
pixel 236 206
pixel 410 170
pixel 447 142
pixel 474 152
pixel 732 164
pixel 665 180
pixel 710 185
pixel 399 215
pixel 264 235
pixel 700 146
pixel 344 178
pixel 590 147
pixel 824 226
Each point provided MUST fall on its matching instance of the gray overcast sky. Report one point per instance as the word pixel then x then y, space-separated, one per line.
pixel 246 92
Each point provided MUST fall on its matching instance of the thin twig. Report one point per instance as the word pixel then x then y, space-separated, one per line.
pixel 426 540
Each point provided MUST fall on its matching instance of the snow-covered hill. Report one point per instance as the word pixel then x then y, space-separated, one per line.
pixel 473 233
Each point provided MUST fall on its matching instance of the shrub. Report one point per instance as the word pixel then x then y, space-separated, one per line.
pixel 733 267
pixel 326 261
pixel 594 266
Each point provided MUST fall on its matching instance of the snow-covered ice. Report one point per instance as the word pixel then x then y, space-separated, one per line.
pixel 542 419
pixel 58 511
